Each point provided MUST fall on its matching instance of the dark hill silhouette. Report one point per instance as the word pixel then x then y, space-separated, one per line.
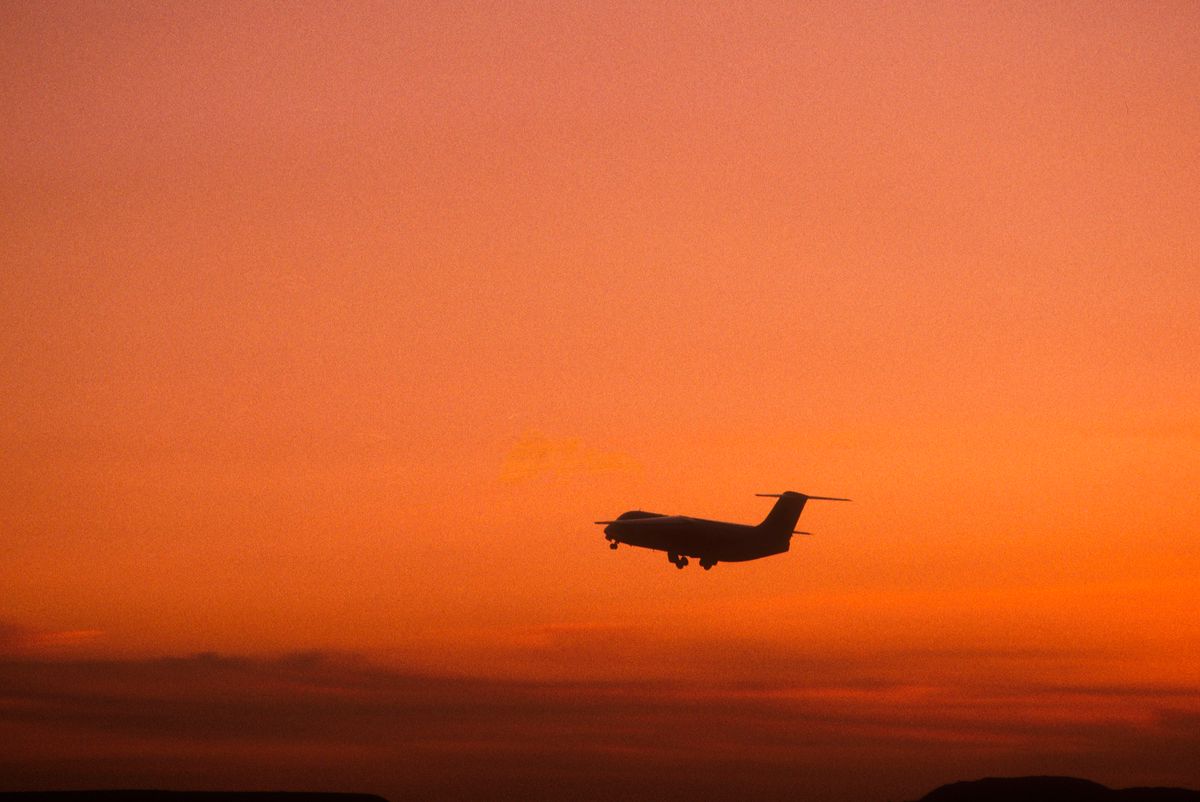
pixel 1051 789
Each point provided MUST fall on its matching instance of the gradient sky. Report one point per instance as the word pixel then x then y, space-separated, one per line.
pixel 330 329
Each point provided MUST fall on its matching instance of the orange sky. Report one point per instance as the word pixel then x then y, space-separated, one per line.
pixel 334 327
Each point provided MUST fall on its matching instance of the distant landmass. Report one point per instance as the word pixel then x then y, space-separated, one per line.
pixel 1051 789
pixel 989 789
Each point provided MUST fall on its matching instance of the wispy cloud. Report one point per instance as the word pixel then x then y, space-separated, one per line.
pixel 535 454
pixel 15 639
pixel 321 721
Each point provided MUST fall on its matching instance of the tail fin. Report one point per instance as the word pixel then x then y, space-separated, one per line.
pixel 782 518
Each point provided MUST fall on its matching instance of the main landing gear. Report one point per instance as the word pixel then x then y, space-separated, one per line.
pixel 678 560
pixel 707 564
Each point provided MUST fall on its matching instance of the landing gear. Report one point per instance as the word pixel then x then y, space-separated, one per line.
pixel 613 545
pixel 677 560
pixel 683 561
pixel 707 564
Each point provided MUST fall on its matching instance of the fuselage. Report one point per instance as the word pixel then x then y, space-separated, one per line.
pixel 681 536
pixel 711 541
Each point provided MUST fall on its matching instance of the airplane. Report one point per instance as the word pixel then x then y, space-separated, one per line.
pixel 712 541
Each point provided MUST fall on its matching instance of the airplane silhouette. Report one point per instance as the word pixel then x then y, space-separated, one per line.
pixel 712 541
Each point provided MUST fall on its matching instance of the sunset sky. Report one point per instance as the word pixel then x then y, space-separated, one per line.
pixel 329 328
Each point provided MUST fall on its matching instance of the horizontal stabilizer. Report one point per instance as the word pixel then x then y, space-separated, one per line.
pixel 798 532
pixel 804 495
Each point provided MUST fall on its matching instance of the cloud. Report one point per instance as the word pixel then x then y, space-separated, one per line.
pixel 322 721
pixel 534 454
pixel 16 639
